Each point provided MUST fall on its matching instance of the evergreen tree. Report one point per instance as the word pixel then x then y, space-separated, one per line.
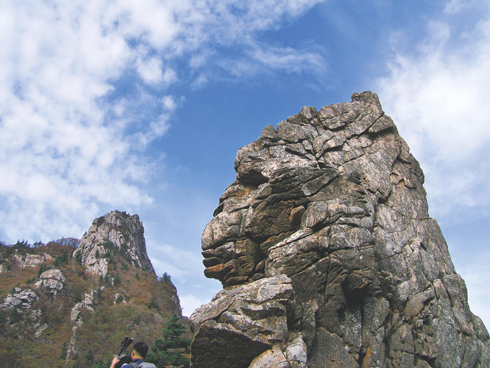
pixel 89 356
pixel 168 351
pixel 63 351
pixel 101 364
pixel 166 278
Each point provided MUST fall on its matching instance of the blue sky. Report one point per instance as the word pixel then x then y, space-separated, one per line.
pixel 142 105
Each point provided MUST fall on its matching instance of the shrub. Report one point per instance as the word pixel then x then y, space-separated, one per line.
pixel 89 357
pixel 21 244
pixel 101 364
pixel 160 354
pixel 153 303
pixel 42 268
pixel 109 244
pixel 63 351
pixel 78 257
pixel 63 259
pixel 166 278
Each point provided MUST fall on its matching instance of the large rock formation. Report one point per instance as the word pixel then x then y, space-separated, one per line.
pixel 52 281
pixel 116 231
pixel 328 256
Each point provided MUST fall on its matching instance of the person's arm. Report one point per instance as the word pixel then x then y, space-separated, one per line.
pixel 114 362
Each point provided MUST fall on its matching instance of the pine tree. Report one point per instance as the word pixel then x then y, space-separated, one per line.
pixel 168 351
pixel 63 351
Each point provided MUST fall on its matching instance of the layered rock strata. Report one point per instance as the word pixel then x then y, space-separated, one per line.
pixel 328 256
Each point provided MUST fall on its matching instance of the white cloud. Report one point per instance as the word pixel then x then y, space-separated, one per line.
pixel 475 275
pixel 81 96
pixel 169 76
pixel 170 259
pixel 437 96
pixel 169 103
pixel 150 70
pixel 190 303
pixel 199 82
pixel 288 59
pixel 473 268
pixel 453 6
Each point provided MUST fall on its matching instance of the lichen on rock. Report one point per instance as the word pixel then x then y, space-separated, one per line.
pixel 333 201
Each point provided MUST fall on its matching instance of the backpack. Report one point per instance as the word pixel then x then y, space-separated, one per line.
pixel 143 365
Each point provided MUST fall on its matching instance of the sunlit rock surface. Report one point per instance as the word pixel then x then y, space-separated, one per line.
pixel 52 281
pixel 115 232
pixel 31 260
pixel 328 256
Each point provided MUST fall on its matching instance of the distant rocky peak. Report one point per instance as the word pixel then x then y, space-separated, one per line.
pixel 115 232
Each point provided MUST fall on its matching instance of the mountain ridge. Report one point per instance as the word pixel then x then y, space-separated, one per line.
pixel 68 303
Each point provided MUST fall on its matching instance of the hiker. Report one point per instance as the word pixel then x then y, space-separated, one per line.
pixel 138 355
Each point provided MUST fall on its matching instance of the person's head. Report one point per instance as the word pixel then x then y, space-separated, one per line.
pixel 140 349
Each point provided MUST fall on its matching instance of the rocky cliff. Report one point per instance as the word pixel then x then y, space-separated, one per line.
pixel 328 256
pixel 116 231
pixel 69 303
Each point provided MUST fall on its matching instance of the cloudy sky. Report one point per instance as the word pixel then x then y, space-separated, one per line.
pixel 141 106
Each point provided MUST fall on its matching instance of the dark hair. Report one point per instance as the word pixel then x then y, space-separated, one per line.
pixel 141 348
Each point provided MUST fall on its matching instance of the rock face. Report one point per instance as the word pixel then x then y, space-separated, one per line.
pixel 52 281
pixel 249 320
pixel 116 231
pixel 32 260
pixel 20 302
pixel 328 256
pixel 20 298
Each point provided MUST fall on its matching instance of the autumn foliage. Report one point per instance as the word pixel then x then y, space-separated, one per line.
pixel 128 302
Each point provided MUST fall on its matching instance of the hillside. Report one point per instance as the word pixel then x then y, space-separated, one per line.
pixel 70 303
